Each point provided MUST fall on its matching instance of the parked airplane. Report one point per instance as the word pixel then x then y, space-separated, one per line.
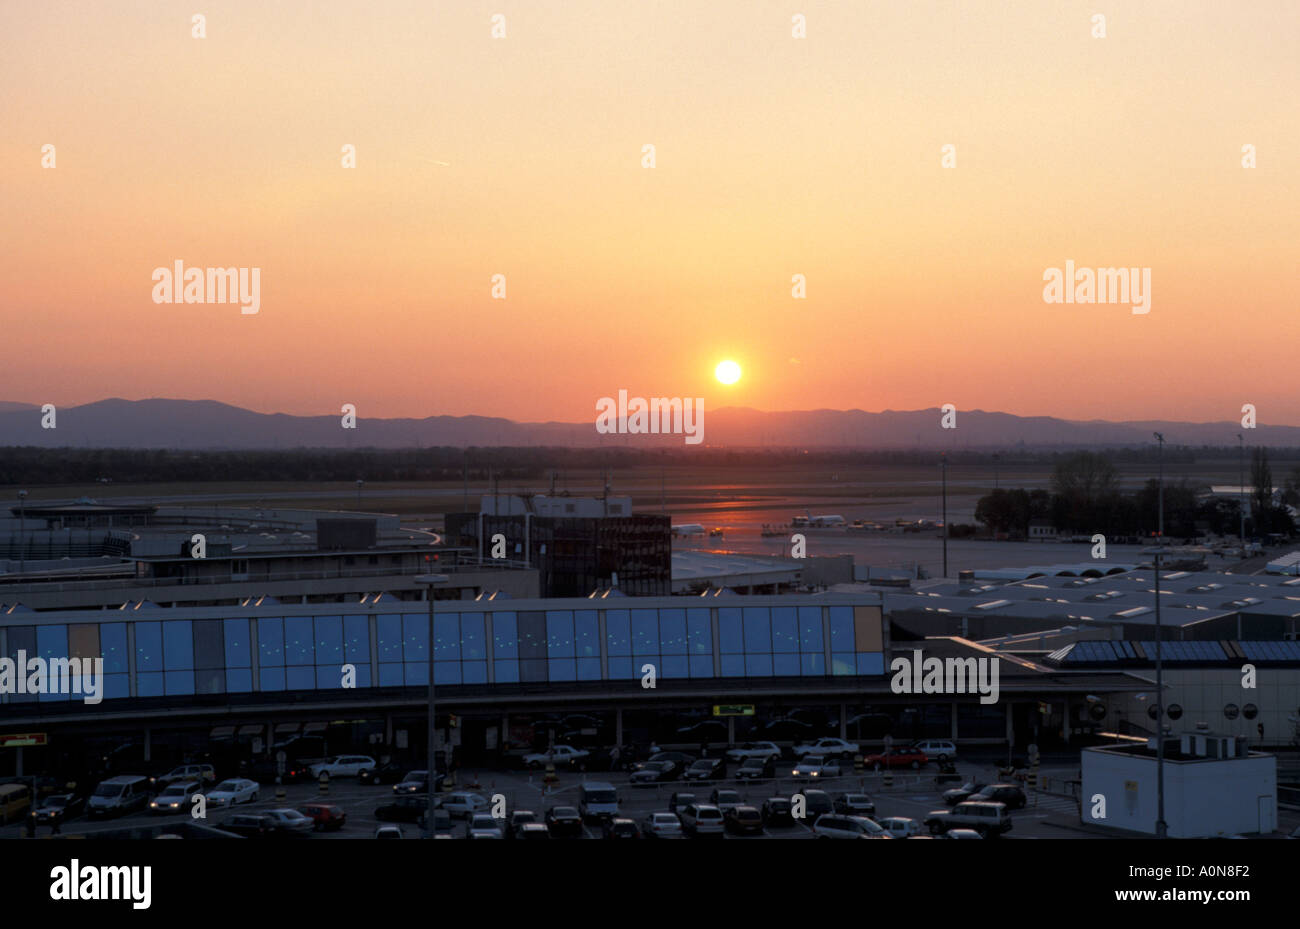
pixel 688 529
pixel 818 522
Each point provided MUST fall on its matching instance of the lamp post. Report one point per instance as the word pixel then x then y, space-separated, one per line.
pixel 1162 829
pixel 430 581
pixel 1241 490
pixel 359 483
pixel 943 461
pixel 22 531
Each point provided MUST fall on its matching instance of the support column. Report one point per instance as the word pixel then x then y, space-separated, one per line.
pixel 148 745
pixel 1065 725
pixel 618 728
pixel 844 721
pixel 1011 732
pixel 953 734
pixel 731 731
pixel 18 760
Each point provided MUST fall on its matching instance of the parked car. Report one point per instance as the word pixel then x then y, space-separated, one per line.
pixel 756 768
pixel 776 812
pixel 558 755
pixel 248 825
pixel 705 769
pixel 415 782
pixel 175 798
pixel 1010 794
pixel 389 773
pixel 835 826
pixel 964 792
pixel 988 819
pixel 759 750
pixel 236 790
pixel 830 748
pixel 388 832
pixel 405 808
pixel 855 805
pixel 816 802
pixel 654 772
pixel 564 821
pixel 534 831
pixel 343 766
pixel 701 819
pixel 743 820
pixel 661 826
pixel 962 834
pixel 204 773
pixel 289 822
pixel 816 766
pixel 940 750
pixel 57 808
pixel 517 820
pixel 462 804
pixel 597 800
pixel 324 816
pixel 620 827
pixel 484 826
pixel 681 759
pixel 724 798
pixel 679 800
pixel 267 771
pixel 896 758
pixel 900 827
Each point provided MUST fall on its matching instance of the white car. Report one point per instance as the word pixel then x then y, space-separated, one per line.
pixel 484 826
pixel 837 826
pixel 724 798
pixel 834 748
pixel 556 755
pixel 237 790
pixel 900 827
pixel 754 750
pixel 702 819
pixel 388 832
pixel 963 834
pixel 662 826
pixel 463 804
pixel 343 766
pixel 940 750
pixel 816 766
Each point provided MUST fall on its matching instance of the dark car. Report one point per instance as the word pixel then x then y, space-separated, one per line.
pixel 415 782
pixel 817 802
pixel 777 812
pixel 620 827
pixel 964 792
pixel 248 825
pixel 391 773
pixel 855 804
pixel 705 731
pixel 404 808
pixel 743 820
pixel 706 769
pixel 647 773
pixel 517 820
pixel 1010 794
pixel 896 758
pixel 534 831
pixel 679 801
pixel 265 771
pixel 58 808
pixel 563 821
pixel 681 759
pixel 753 768
pixel 326 816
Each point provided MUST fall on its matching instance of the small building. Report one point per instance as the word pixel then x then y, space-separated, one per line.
pixel 1214 786
pixel 1040 530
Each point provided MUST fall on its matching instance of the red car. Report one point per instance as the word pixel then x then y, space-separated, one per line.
pixel 896 758
pixel 324 815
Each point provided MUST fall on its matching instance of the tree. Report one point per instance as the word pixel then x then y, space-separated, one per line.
pixel 1087 484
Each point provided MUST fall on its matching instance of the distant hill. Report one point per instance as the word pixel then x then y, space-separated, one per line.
pixel 207 424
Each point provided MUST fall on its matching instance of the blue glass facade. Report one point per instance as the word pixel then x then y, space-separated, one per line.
pixel 559 641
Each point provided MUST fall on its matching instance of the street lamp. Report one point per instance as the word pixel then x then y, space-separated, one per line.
pixel 22 531
pixel 1241 490
pixel 430 581
pixel 1162 829
pixel 359 483
pixel 943 460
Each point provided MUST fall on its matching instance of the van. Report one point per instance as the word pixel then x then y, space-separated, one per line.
pixel 15 800
pixel 939 749
pixel 119 795
pixel 597 800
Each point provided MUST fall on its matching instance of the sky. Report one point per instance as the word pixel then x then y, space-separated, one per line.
pixel 774 156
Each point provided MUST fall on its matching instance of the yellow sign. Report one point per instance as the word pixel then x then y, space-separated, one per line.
pixel 1131 785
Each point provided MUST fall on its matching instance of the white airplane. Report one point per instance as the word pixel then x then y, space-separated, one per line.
pixel 688 529
pixel 820 522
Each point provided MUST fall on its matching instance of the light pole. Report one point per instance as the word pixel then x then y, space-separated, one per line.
pixel 22 531
pixel 359 483
pixel 1241 489
pixel 1162 829
pixel 995 472
pixel 943 460
pixel 430 581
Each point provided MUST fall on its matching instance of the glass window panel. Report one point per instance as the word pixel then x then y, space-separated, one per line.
pixel 507 671
pixel 148 649
pixel 209 647
pixel 178 682
pixel 730 634
pixel 239 654
pixel 532 636
pixel 532 669
pixel 473 644
pixel 239 681
pixel 52 641
pixel 391 674
pixel 701 666
pixel 559 635
pixel 112 640
pixel 785 630
pixel 178 646
pixel 299 641
pixel 270 643
pixel 417 672
pixel 390 638
pixel 672 632
pixel 618 632
pixel 758 630
pixel 150 684
pixel 674 666
pixel 843 663
pixel 700 631
pixel 22 639
pixel 586 635
pixel 588 669
pixel 758 665
pixel 842 629
pixel 299 678
pixel 733 665
pixel 871 663
pixel 210 680
pixel 117 686
pixel 329 640
pixel 785 665
pixel 356 639
pixel 83 640
pixel 329 677
pixel 620 669
pixel 474 672
pixel 812 664
pixel 446 672
pixel 415 636
pixel 810 629
pixel 645 632
pixel 446 632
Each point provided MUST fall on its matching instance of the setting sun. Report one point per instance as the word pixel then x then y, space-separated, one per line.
pixel 727 372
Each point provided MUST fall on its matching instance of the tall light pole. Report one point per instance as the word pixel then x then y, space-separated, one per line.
pixel 430 581
pixel 995 472
pixel 359 483
pixel 1162 829
pixel 1241 490
pixel 943 460
pixel 22 531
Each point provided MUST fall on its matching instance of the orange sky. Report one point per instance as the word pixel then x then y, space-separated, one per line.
pixel 775 156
